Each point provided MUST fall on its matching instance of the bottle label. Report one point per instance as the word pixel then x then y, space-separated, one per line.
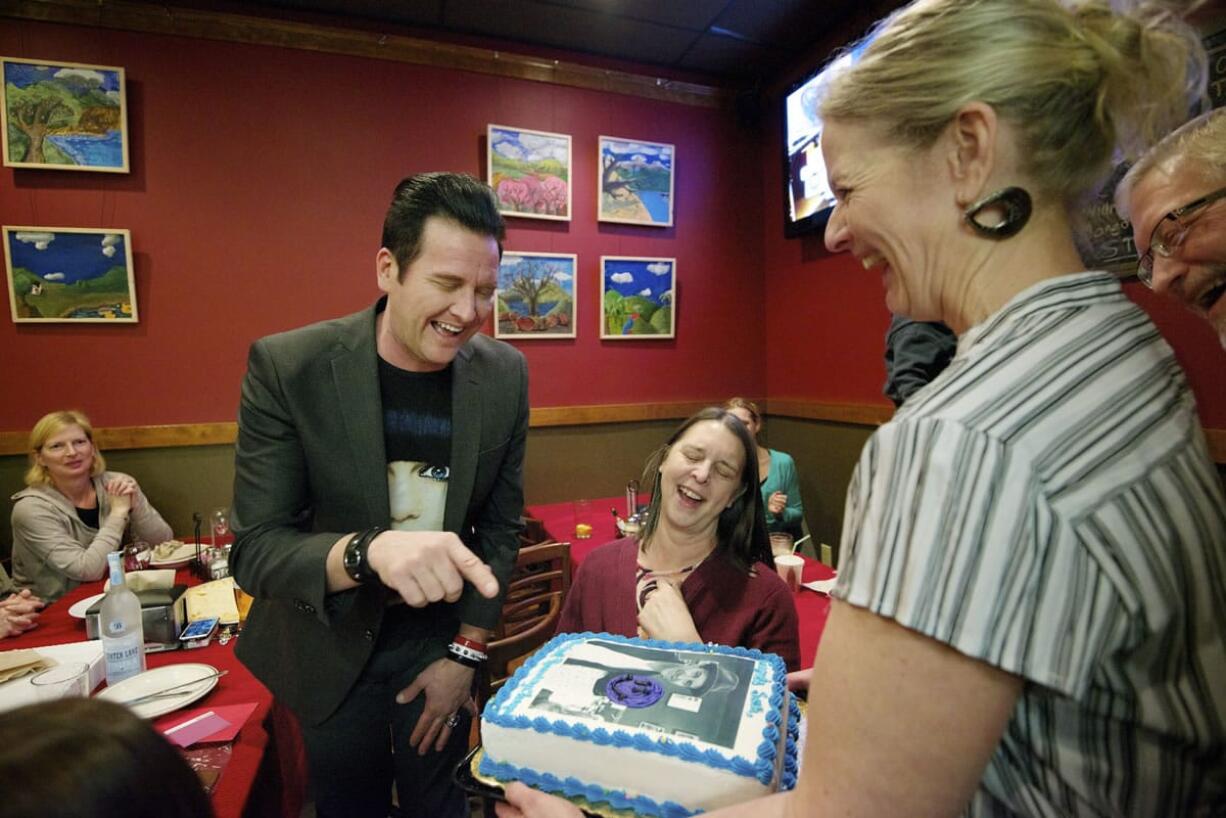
pixel 125 656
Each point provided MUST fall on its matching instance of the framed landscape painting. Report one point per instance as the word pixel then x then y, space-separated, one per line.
pixel 638 297
pixel 636 182
pixel 58 274
pixel 64 116
pixel 536 295
pixel 529 172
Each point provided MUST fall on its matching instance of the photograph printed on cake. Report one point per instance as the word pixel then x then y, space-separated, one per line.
pixel 678 693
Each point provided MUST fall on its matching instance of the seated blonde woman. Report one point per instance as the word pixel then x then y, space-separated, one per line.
pixel 73 512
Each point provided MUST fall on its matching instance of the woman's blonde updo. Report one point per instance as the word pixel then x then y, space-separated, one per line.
pixel 1075 82
pixel 50 424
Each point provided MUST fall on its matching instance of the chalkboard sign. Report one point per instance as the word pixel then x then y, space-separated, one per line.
pixel 1103 238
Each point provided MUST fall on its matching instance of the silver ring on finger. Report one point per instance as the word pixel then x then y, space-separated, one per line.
pixel 452 720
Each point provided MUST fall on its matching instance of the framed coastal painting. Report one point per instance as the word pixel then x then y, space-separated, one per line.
pixel 638 297
pixel 70 274
pixel 529 172
pixel 64 116
pixel 636 182
pixel 536 295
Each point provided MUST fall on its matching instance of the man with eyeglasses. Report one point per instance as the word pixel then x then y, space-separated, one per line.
pixel 1175 196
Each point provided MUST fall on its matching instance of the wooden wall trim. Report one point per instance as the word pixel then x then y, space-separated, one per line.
pixel 125 15
pixel 220 434
pixel 860 414
pixel 614 413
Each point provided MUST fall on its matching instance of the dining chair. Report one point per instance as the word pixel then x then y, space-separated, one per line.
pixel 538 585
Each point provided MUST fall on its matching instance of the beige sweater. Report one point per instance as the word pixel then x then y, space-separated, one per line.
pixel 54 551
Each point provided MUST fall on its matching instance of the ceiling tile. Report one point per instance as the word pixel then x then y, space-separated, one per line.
pixel 569 28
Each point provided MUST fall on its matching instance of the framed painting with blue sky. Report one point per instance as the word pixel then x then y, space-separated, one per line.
pixel 58 274
pixel 64 116
pixel 636 182
pixel 638 297
pixel 529 172
pixel 536 295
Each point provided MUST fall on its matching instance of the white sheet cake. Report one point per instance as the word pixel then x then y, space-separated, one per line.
pixel 661 728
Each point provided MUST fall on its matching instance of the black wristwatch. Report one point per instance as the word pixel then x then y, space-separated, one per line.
pixel 354 560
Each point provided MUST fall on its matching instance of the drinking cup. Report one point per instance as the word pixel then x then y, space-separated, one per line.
pixel 62 681
pixel 583 519
pixel 790 567
pixel 137 556
pixel 781 543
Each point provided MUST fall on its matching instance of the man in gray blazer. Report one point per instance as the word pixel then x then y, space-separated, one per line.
pixel 377 503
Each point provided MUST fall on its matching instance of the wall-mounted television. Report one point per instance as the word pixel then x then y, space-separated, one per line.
pixel 808 200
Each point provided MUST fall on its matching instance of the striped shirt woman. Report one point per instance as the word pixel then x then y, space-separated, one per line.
pixel 1047 506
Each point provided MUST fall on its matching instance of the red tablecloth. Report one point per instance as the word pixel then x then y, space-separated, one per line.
pixel 559 520
pixel 266 774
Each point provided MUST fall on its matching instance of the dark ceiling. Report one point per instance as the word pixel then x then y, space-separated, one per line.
pixel 733 43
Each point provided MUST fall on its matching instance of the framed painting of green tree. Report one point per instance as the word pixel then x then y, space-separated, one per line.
pixel 70 274
pixel 638 297
pixel 536 295
pixel 636 182
pixel 64 116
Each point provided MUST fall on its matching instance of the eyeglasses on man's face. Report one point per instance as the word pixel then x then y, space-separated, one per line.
pixel 1170 232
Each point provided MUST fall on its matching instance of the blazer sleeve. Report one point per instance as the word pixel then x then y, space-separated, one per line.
pixel 273 556
pixel 500 519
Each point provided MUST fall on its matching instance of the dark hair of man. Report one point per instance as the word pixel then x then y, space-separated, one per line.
pixel 78 758
pixel 741 531
pixel 457 197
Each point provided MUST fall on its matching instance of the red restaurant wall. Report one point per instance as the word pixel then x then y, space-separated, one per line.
pixel 259 181
pixel 826 338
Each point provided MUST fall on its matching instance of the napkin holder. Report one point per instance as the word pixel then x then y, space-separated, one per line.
pixel 162 613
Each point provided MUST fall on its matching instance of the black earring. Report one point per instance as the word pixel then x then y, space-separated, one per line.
pixel 1016 204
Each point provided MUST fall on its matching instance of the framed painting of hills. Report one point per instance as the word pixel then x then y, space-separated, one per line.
pixel 536 295
pixel 64 116
pixel 70 274
pixel 638 297
pixel 529 172
pixel 636 182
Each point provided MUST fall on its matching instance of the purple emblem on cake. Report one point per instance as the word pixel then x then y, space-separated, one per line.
pixel 630 690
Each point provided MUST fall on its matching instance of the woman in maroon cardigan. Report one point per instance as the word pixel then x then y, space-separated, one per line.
pixel 700 570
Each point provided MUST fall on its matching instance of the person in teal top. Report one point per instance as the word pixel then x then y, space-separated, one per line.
pixel 776 475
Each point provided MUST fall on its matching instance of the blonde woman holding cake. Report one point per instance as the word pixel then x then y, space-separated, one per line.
pixel 1028 616
pixel 73 512
pixel 700 569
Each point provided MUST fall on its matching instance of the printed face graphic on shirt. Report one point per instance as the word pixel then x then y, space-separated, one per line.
pixel 418 494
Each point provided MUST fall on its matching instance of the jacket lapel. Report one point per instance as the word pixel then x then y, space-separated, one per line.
pixel 465 438
pixel 355 377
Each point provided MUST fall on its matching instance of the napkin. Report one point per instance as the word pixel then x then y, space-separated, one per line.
pixel 162 579
pixel 213 599
pixel 17 663
pixel 230 719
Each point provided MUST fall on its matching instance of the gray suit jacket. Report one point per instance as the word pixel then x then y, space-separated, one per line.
pixel 310 466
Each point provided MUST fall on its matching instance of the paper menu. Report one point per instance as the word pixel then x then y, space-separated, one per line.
pixel 213 599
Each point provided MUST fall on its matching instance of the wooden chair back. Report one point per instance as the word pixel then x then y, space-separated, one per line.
pixel 530 611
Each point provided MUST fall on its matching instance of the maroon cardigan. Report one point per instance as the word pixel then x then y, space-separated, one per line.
pixel 729 607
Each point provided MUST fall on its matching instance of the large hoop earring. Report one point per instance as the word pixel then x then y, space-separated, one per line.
pixel 1016 203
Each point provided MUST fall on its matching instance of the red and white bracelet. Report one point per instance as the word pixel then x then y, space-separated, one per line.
pixel 468 652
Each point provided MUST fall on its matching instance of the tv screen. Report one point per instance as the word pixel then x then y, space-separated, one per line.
pixel 809 200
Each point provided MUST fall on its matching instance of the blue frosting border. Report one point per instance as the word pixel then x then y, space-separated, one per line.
pixel 498 712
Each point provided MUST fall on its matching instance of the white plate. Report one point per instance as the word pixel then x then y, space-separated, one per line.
pixel 151 681
pixel 179 557
pixel 78 609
